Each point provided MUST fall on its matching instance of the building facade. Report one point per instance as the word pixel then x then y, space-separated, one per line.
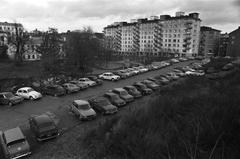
pixel 156 36
pixel 10 28
pixel 209 41
pixel 31 49
pixel 223 44
pixel 233 49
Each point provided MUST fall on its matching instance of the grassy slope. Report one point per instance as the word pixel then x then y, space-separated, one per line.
pixel 196 119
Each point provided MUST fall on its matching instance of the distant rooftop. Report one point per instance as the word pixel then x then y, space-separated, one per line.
pixel 11 24
pixel 179 15
pixel 205 28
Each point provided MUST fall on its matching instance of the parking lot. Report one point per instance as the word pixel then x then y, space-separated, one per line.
pixel 18 115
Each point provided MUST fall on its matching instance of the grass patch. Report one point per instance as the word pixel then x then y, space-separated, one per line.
pixel 196 119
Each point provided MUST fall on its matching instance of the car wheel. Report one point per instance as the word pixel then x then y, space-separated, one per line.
pixel 112 79
pixel 10 104
pixel 31 98
pixel 55 95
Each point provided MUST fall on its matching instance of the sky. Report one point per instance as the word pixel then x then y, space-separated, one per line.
pixel 76 14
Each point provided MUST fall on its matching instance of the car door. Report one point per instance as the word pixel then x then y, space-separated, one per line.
pixel 75 109
pixel 25 94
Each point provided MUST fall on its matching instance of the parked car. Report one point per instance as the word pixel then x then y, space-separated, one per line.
pixel 121 73
pixel 87 81
pixel 163 80
pixel 131 71
pixel 14 144
pixel 182 59
pixel 123 94
pixel 179 73
pixel 228 66
pixel 172 75
pixel 142 88
pixel 133 91
pixel 109 76
pixel 97 80
pixel 54 90
pixel 79 84
pixel 151 84
pixel 103 105
pixel 70 88
pixel 142 69
pixel 83 110
pixel 28 93
pixel 44 127
pixel 115 99
pixel 174 61
pixel 154 80
pixel 8 98
pixel 195 73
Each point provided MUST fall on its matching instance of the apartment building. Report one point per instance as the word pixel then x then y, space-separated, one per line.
pixel 156 36
pixel 234 43
pixel 10 27
pixel 209 41
pixel 223 44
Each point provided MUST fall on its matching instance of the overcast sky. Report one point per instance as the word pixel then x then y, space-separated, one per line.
pixel 75 14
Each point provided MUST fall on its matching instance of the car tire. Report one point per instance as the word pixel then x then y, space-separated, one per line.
pixel 112 79
pixel 55 95
pixel 31 98
pixel 10 104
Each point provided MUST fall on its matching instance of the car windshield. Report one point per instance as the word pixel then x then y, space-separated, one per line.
pixel 84 106
pixel 124 93
pixel 9 95
pixel 103 102
pixel 30 90
pixel 142 86
pixel 45 125
pixel 16 142
pixel 114 97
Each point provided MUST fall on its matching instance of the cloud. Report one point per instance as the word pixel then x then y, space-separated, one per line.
pixel 73 14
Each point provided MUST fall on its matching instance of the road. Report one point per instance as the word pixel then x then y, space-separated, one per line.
pixel 18 115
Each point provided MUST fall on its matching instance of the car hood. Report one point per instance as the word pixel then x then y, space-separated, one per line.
pixel 15 98
pixel 47 129
pixel 88 112
pixel 127 96
pixel 18 149
pixel 109 107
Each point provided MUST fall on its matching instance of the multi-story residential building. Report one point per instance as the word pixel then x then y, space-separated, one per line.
pixel 157 36
pixel 10 27
pixel 223 44
pixel 209 41
pixel 234 43
pixel 31 49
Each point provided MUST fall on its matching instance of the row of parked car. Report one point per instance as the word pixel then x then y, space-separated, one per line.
pixel 132 71
pixel 45 126
pixel 37 92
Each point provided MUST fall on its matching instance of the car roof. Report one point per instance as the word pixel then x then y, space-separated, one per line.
pixel 129 86
pixel 119 89
pixel 5 93
pixel 13 135
pixel 80 102
pixel 110 93
pixel 44 118
pixel 24 88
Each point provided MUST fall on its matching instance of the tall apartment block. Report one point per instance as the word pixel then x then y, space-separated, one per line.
pixel 156 36
pixel 209 41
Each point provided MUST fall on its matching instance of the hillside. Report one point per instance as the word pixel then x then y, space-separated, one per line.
pixel 197 118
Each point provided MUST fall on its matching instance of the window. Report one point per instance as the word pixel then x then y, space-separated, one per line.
pixel 169 40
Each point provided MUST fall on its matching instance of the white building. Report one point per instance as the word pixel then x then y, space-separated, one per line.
pixel 157 36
